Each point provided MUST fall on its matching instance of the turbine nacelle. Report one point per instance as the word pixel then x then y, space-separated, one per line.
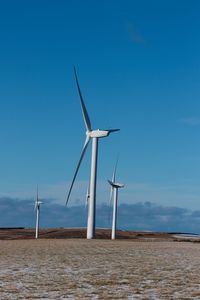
pixel 116 185
pixel 37 204
pixel 100 133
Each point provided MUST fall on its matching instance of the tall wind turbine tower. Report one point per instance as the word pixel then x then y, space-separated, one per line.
pixel 95 135
pixel 87 196
pixel 114 189
pixel 37 208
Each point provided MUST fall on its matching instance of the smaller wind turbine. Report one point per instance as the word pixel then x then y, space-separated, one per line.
pixel 37 208
pixel 114 188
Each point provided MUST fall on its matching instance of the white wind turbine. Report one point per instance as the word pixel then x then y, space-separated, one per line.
pixel 37 208
pixel 114 189
pixel 94 135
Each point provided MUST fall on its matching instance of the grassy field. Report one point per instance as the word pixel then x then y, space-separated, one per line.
pixel 99 269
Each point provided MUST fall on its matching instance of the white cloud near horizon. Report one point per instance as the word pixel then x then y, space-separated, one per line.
pixel 136 216
pixel 184 195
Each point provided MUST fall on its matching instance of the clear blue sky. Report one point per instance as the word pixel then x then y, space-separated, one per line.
pixel 138 64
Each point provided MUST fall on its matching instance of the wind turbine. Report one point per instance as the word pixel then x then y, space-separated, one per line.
pixel 94 135
pixel 114 189
pixel 37 208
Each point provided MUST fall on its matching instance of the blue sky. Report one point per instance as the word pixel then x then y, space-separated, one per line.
pixel 138 64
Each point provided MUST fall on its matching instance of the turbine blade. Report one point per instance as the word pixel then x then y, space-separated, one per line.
pixel 78 166
pixel 83 108
pixel 111 130
pixel 110 203
pixel 36 201
pixel 111 183
pixel 37 194
pixel 111 193
pixel 114 172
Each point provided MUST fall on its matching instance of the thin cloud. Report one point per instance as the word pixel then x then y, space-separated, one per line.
pixel 193 121
pixel 134 35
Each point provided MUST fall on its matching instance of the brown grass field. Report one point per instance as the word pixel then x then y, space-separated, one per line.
pixel 145 266
pixel 62 233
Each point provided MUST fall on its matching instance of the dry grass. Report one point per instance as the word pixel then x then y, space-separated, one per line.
pixel 98 269
pixel 63 233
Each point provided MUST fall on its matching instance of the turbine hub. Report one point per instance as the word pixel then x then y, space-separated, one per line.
pixel 98 133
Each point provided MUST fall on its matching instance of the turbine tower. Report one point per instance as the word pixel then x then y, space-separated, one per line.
pixel 114 189
pixel 87 196
pixel 94 135
pixel 37 208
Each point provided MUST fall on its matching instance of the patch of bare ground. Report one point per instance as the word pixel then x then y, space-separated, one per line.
pixel 98 269
pixel 62 233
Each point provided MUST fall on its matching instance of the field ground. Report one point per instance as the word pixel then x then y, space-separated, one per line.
pixel 63 233
pixel 99 269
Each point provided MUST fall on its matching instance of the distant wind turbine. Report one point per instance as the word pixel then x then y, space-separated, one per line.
pixel 94 135
pixel 37 208
pixel 114 189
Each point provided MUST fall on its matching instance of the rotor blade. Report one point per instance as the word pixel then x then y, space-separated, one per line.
pixel 114 172
pixel 84 111
pixel 36 201
pixel 111 193
pixel 111 183
pixel 110 204
pixel 77 168
pixel 37 194
pixel 111 130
